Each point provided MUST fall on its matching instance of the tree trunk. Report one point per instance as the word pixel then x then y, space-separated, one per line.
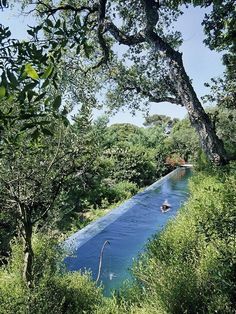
pixel 211 144
pixel 28 255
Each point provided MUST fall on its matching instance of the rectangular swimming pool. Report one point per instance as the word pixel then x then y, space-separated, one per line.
pixel 127 228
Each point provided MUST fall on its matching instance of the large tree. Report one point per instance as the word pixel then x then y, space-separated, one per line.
pixel 38 159
pixel 156 72
pixel 153 69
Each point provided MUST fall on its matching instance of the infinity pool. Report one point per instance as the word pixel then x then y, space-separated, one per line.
pixel 127 228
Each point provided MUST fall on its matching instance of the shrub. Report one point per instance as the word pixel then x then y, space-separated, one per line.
pixel 190 266
pixel 54 291
pixel 123 190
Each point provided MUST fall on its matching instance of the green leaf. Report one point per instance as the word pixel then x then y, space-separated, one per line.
pixel 30 32
pixel 56 103
pixel 59 32
pixel 30 86
pixel 78 49
pixel 30 71
pixel 28 126
pixel 47 72
pixel 35 134
pixel 58 23
pixel 24 116
pixel 43 122
pixel 46 29
pixel 2 91
pixel 88 49
pixel 47 131
pixel 49 23
pixel 64 111
pixel 40 97
pixel 65 121
pixel 45 83
pixel 30 95
pixel 12 78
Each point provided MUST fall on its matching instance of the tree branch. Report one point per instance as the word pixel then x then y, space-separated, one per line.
pixel 151 8
pixel 123 38
pixel 100 33
pixel 153 98
pixel 151 13
pixel 171 100
pixel 68 7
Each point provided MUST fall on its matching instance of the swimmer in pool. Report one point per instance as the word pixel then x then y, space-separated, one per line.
pixel 165 206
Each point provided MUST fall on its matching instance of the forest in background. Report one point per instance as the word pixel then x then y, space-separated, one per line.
pixel 57 176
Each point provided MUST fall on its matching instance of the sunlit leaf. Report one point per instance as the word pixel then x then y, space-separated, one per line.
pixel 2 91
pixel 47 72
pixel 30 71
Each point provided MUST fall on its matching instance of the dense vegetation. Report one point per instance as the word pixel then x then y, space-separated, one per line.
pixel 57 173
pixel 105 165
pixel 187 268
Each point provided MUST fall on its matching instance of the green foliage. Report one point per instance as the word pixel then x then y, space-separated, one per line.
pixel 53 292
pixel 225 124
pixel 123 133
pixel 39 157
pixel 219 26
pixel 134 163
pixel 183 140
pixel 160 120
pixel 124 190
pixel 190 266
pixel 118 167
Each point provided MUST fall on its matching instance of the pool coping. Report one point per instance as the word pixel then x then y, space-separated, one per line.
pixel 82 236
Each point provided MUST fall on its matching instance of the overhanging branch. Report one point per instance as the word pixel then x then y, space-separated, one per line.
pixel 156 98
pixel 123 38
pixel 67 7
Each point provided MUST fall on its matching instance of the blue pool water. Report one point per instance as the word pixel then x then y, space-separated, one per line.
pixel 127 228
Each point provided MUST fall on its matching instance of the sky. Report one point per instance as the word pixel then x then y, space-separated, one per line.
pixel 200 62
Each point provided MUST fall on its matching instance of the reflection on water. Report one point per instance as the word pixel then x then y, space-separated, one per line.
pixel 128 234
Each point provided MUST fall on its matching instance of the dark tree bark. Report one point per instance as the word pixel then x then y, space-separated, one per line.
pixel 211 144
pixel 28 252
